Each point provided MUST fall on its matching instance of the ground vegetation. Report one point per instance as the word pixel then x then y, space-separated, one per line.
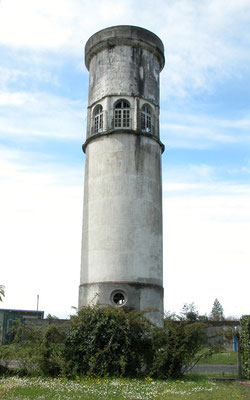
pixel 109 342
pixel 94 388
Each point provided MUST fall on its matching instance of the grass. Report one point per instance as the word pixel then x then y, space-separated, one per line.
pixel 195 388
pixel 227 357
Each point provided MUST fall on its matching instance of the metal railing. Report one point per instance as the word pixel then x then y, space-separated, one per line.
pixel 95 130
pixel 150 129
pixel 123 124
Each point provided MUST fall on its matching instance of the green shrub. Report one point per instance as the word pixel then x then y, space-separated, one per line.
pixel 26 347
pixel 176 346
pixel 108 341
pixel 245 345
pixel 51 360
pixel 7 355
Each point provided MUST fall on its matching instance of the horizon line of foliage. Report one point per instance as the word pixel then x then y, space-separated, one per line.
pixel 190 313
pixel 109 342
pixel 245 345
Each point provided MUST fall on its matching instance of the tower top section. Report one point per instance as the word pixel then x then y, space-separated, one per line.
pixel 124 64
pixel 124 35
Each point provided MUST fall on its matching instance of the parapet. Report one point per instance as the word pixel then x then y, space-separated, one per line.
pixel 124 35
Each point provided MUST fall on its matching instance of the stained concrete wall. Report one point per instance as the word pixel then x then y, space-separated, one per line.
pixel 122 219
pixel 122 230
pixel 124 61
pixel 133 71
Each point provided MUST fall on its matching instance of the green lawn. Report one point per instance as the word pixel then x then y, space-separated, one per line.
pixel 227 357
pixel 14 388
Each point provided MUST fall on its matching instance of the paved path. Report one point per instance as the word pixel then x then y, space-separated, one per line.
pixel 230 369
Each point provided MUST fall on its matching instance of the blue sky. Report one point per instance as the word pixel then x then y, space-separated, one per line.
pixel 205 126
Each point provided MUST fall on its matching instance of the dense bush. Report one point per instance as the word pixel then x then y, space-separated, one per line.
pixel 52 349
pixel 25 347
pixel 176 347
pixel 108 342
pixel 244 345
pixel 6 356
pixel 34 350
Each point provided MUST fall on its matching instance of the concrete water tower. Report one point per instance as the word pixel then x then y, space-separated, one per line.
pixel 122 215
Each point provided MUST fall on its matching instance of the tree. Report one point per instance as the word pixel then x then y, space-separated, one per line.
pixel 51 317
pixel 217 313
pixel 2 292
pixel 189 312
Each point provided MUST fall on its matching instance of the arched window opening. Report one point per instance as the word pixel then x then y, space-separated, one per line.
pixel 122 115
pixel 98 119
pixel 146 119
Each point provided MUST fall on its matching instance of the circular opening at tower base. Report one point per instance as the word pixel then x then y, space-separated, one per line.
pixel 118 298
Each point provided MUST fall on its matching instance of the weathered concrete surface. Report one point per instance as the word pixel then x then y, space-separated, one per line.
pixel 122 231
pixel 134 73
pixel 124 62
pixel 122 218
pixel 125 35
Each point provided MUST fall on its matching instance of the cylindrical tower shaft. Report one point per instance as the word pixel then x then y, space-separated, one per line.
pixel 122 217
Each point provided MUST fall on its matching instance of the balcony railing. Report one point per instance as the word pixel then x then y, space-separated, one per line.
pixel 150 129
pixel 95 130
pixel 123 124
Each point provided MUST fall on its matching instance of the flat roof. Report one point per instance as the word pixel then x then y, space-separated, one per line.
pixel 22 311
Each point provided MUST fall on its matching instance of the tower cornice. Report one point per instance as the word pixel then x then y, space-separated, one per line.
pixel 122 131
pixel 123 35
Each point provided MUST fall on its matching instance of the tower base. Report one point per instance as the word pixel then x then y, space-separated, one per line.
pixel 132 295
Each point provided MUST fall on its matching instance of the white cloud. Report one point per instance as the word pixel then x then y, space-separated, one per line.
pixel 40 233
pixel 206 250
pixel 206 221
pixel 55 25
pixel 40 114
pixel 206 239
pixel 189 176
pixel 14 99
pixel 201 131
pixel 29 70
pixel 34 23
pixel 204 41
pixel 204 180
pixel 246 168
pixel 10 75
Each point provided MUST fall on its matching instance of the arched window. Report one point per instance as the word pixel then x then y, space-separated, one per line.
pixel 146 119
pixel 122 115
pixel 98 119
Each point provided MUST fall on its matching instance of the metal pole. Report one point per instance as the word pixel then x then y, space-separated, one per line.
pixel 239 366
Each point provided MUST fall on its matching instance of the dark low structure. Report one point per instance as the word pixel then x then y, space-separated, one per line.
pixel 8 317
